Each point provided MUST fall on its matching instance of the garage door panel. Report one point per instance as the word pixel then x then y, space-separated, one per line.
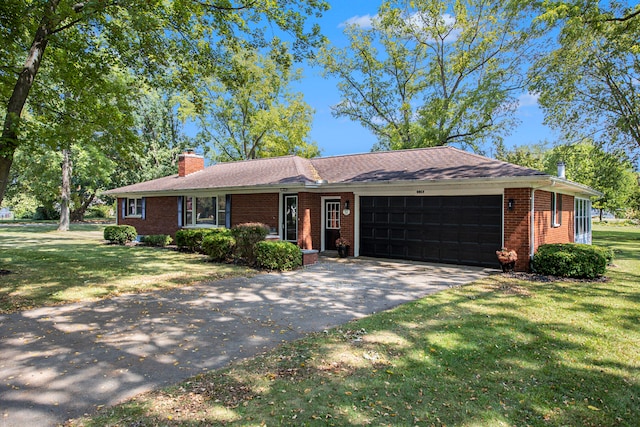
pixel 450 229
pixel 397 218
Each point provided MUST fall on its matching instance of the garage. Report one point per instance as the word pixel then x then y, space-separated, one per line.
pixel 463 230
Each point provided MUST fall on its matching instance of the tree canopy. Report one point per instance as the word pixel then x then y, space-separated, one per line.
pixel 247 110
pixel 428 73
pixel 168 42
pixel 588 85
pixel 610 172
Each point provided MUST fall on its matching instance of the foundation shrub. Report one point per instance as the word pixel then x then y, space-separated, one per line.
pixel 190 239
pixel 571 260
pixel 247 235
pixel 158 240
pixel 120 234
pixel 219 246
pixel 278 255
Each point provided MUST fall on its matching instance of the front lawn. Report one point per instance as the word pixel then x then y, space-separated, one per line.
pixel 499 352
pixel 50 267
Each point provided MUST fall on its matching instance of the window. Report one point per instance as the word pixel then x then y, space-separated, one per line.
pixel 332 216
pixel 582 221
pixel 134 208
pixel 556 210
pixel 203 211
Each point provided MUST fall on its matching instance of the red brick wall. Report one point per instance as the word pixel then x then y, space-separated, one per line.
pixel 517 224
pixel 545 232
pixel 189 163
pixel 312 202
pixel 161 216
pixel 517 227
pixel 255 208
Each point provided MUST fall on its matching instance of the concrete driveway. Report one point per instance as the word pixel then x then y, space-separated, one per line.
pixel 61 362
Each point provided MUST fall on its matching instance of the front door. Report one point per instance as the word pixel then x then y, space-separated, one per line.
pixel 291 218
pixel 331 223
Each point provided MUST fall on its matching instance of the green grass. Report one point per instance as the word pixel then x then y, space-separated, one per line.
pixel 50 267
pixel 499 352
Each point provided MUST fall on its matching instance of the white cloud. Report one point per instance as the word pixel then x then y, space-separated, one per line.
pixel 528 99
pixel 364 21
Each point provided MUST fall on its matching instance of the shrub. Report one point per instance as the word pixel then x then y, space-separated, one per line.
pixel 247 235
pixel 571 260
pixel 190 239
pixel 159 240
pixel 219 246
pixel 100 211
pixel 278 255
pixel 120 234
pixel 44 213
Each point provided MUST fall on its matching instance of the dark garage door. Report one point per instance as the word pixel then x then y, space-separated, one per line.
pixel 449 229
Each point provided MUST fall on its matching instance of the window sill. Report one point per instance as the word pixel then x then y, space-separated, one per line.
pixel 133 216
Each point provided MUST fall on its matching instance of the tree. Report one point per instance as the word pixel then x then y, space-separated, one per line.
pixel 429 74
pixel 588 85
pixel 587 163
pixel 610 173
pixel 160 39
pixel 250 112
pixel 528 156
pixel 98 163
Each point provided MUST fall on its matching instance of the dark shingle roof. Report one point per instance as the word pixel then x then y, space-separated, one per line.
pixel 438 163
pixel 419 164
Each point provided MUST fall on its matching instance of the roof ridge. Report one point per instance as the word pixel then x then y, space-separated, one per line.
pixel 304 166
pixel 404 150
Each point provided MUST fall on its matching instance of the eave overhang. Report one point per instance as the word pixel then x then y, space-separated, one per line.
pixel 475 185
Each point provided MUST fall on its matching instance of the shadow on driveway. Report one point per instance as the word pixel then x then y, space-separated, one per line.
pixel 62 362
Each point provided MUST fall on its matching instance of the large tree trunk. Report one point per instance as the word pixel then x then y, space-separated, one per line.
pixel 9 138
pixel 78 213
pixel 65 198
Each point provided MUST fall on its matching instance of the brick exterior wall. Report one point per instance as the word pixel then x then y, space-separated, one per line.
pixel 255 208
pixel 545 232
pixel 189 163
pixel 517 224
pixel 161 216
pixel 310 225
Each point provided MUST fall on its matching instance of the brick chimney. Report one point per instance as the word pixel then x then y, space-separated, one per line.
pixel 189 162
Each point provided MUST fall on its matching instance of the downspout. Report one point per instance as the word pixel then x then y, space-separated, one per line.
pixel 532 225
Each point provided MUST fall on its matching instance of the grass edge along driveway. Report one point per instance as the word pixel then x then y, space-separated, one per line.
pixel 499 352
pixel 50 267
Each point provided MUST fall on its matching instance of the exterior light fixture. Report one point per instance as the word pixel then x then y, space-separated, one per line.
pixel 346 211
pixel 511 204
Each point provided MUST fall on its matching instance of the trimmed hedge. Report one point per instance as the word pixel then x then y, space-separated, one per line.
pixel 159 240
pixel 219 246
pixel 190 239
pixel 278 255
pixel 247 235
pixel 120 234
pixel 571 260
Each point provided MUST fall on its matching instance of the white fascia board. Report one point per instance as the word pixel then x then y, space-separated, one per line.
pixel 482 186
pixel 463 186
pixel 284 188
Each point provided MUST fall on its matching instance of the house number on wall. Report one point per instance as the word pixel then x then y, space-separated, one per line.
pixel 420 191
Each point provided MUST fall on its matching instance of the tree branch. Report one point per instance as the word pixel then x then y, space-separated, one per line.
pixel 615 19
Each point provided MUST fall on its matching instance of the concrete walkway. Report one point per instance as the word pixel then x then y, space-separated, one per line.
pixel 61 362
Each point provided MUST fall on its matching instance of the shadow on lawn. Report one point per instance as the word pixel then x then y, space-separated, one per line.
pixel 50 274
pixel 466 357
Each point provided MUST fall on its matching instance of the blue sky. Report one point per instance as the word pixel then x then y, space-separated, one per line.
pixel 337 136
